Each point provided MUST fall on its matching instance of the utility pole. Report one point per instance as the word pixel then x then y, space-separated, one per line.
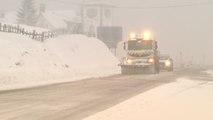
pixel 181 59
pixel 192 60
pixel 176 61
pixel 82 16
pixel 204 59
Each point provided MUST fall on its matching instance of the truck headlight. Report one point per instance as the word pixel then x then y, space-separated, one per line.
pixel 129 61
pixel 133 36
pixel 167 63
pixel 151 60
pixel 147 35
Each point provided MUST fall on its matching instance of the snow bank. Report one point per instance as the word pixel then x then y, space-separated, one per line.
pixel 25 62
pixel 183 100
pixel 210 72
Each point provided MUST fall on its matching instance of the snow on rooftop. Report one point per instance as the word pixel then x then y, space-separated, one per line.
pixel 68 15
pixel 26 62
pixel 54 20
pixel 58 19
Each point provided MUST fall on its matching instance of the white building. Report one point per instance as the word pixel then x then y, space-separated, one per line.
pixel 53 20
pixel 96 14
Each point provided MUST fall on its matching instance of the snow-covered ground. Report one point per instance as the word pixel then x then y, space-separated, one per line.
pixel 27 63
pixel 27 28
pixel 183 100
pixel 210 72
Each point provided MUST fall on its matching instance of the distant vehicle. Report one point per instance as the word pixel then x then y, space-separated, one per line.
pixel 142 55
pixel 166 62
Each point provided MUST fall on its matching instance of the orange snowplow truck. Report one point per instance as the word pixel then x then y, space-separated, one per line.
pixel 142 55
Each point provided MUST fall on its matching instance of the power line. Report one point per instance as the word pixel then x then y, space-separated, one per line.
pixel 65 2
pixel 142 7
pixel 169 6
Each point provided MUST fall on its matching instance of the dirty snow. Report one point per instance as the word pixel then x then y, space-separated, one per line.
pixel 182 100
pixel 27 63
pixel 210 72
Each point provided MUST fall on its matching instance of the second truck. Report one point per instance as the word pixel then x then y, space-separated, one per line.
pixel 142 55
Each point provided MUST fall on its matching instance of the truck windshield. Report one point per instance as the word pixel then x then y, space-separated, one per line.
pixel 139 45
pixel 164 57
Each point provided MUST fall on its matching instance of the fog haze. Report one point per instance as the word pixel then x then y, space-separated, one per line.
pixel 178 28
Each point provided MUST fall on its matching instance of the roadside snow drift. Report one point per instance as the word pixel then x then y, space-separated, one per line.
pixel 182 100
pixel 210 72
pixel 25 62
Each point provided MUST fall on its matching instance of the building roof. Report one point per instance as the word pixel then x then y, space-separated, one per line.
pixel 59 18
pixel 54 20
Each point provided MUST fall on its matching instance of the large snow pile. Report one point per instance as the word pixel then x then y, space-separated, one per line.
pixel 183 100
pixel 25 62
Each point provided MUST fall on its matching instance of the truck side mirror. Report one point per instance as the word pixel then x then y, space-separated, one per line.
pixel 156 45
pixel 124 46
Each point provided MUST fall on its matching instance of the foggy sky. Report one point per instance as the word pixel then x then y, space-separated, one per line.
pixel 182 29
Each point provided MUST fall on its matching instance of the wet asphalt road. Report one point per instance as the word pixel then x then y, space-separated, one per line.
pixel 77 100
